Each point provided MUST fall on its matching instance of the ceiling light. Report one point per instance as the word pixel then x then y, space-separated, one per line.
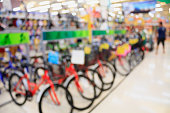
pixel 118 16
pixel 54 13
pixel 116 5
pixel 92 2
pixel 151 14
pixel 38 8
pixel 1 0
pixel 158 9
pixel 110 18
pixel 56 5
pixel 80 1
pixel 60 0
pixel 111 14
pixel 158 5
pixel 116 9
pixel 16 9
pixel 120 12
pixel 57 8
pixel 65 11
pixel 131 14
pixel 81 9
pixel 68 3
pixel 31 4
pixel 72 5
pixel 44 3
pixel 43 10
pixel 74 14
pixel 114 1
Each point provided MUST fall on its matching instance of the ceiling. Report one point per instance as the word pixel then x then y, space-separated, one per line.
pixel 43 5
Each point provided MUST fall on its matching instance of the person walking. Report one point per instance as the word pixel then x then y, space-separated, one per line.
pixel 161 37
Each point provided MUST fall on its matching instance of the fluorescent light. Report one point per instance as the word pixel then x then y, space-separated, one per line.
pixel 57 8
pixel 80 1
pixel 115 9
pixel 158 9
pixel 114 1
pixel 16 9
pixel 54 13
pixel 72 5
pixel 56 5
pixel 120 12
pixel 92 2
pixel 151 14
pixel 38 8
pixel 118 16
pixel 131 14
pixel 65 11
pixel 111 14
pixel 68 3
pixel 43 10
pixel 158 5
pixel 31 4
pixel 44 3
pixel 1 0
pixel 60 0
pixel 74 14
pixel 116 5
pixel 110 18
pixel 81 9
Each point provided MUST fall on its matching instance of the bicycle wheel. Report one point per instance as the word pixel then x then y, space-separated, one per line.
pixel 107 75
pixel 97 79
pixel 83 92
pixel 123 66
pixel 48 103
pixel 17 89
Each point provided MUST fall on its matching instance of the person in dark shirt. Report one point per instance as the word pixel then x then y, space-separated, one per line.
pixel 161 37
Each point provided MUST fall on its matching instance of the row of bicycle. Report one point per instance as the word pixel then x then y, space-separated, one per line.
pixel 62 83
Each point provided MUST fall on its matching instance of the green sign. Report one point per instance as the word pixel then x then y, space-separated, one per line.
pixel 8 39
pixel 55 35
pixel 166 1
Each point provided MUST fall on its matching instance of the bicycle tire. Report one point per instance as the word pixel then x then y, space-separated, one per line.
pixel 45 94
pixel 126 71
pixel 10 90
pixel 112 75
pixel 91 100
pixel 98 86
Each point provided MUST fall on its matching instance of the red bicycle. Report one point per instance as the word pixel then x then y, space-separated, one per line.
pixel 22 89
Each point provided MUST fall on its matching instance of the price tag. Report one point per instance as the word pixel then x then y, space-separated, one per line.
pixel 78 57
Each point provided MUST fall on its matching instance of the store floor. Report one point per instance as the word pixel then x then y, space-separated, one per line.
pixel 145 90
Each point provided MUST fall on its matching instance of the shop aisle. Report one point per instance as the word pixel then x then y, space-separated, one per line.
pixel 145 90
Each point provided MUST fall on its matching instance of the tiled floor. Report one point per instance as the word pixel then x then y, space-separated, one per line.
pixel 145 90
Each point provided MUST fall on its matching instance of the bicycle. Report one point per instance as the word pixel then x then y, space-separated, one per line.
pixel 21 88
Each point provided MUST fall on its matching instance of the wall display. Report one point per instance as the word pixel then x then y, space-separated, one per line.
pixel 139 7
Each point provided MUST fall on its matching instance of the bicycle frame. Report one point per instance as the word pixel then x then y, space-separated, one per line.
pixel 33 88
